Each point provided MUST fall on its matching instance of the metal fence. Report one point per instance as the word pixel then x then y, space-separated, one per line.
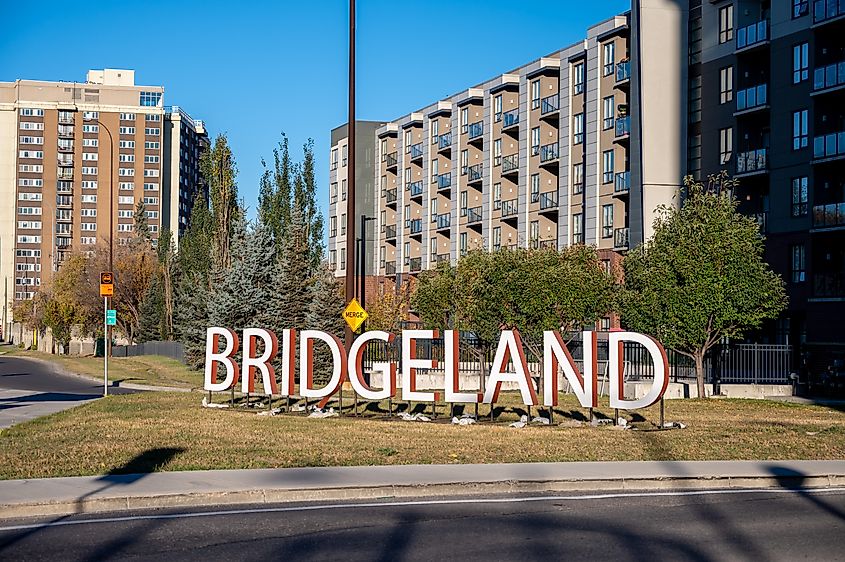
pixel 172 349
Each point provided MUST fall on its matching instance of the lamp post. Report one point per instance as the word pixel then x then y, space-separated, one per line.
pixel 350 171
pixel 111 254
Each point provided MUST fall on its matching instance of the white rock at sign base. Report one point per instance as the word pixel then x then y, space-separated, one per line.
pixel 207 404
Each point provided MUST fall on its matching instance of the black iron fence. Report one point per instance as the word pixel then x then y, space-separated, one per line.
pixel 172 349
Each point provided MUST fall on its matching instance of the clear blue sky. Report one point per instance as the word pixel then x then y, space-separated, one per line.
pixel 255 69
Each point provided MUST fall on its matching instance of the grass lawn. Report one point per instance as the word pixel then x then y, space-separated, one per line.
pixel 170 431
pixel 144 369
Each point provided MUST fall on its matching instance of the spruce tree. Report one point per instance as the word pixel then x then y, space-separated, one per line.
pixel 324 313
pixel 152 311
pixel 142 227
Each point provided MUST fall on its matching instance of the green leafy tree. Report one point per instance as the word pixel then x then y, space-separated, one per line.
pixel 701 278
pixel 274 197
pixel 219 170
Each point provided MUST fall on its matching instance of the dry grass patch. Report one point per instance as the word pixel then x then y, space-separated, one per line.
pixel 108 434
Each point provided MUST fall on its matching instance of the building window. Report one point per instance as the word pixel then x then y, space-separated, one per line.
pixel 409 138
pixel 800 8
pixel 343 190
pixel 407 253
pixel 464 161
pixel 343 224
pixel 578 228
pixel 432 210
pixel 726 24
pixel 577 178
pixel 607 166
pixel 695 34
pixel 535 141
pixel 798 269
pixel 333 259
pixel 694 155
pixel 726 84
pixel 799 129
pixel 578 78
pixel 435 131
pixel 463 246
pixel 497 108
pixel 407 216
pixel 150 99
pixel 726 144
pixel 535 188
pixel 333 231
pixel 799 197
pixel 497 196
pixel 497 237
pixel 464 119
pixel 497 152
pixel 800 63
pixel 343 258
pixel 609 58
pixel 463 203
pixel 345 155
pixel 607 221
pixel 535 94
pixel 578 128
pixel 334 192
pixel 534 233
pixel 334 159
pixel 607 113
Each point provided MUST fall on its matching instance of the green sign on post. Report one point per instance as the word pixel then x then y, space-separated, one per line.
pixel 111 318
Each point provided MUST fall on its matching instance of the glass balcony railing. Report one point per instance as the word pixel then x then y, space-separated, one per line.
pixel 475 130
pixel 510 208
pixel 416 151
pixel 443 221
pixel 623 71
pixel 65 159
pixel 752 161
pixel 390 195
pixel 762 220
pixel 473 215
pixel 549 104
pixel 64 173
pixel 444 141
pixel 510 163
pixel 65 131
pixel 752 97
pixel 829 285
pixel 548 244
pixel 620 238
pixel 753 34
pixel 548 152
pixel 441 257
pixel 832 144
pixel 474 173
pixel 65 118
pixel 548 200
pixel 829 76
pixel 390 231
pixel 416 188
pixel 824 10
pixel 415 225
pixel 390 268
pixel 510 118
pixel 444 180
pixel 826 216
pixel 390 160
pixel 623 126
pixel 622 183
pixel 414 264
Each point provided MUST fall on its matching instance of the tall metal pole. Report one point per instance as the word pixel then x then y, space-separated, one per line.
pixel 350 173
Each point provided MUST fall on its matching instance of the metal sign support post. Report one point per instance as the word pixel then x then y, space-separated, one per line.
pixel 105 346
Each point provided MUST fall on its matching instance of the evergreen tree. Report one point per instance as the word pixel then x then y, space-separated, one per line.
pixel 292 287
pixel 142 227
pixel 152 313
pixel 325 313
pixel 166 260
pixel 191 317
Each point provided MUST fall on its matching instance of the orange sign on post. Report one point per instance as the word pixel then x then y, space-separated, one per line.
pixel 106 284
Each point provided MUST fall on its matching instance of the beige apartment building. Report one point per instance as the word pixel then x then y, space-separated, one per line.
pixel 61 146
pixel 540 156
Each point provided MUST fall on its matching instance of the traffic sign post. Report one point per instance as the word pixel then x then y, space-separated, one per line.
pixel 354 314
pixel 110 319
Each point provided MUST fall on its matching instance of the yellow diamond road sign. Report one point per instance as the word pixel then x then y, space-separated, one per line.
pixel 354 314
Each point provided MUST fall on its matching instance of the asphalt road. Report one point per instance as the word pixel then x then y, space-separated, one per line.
pixel 29 389
pixel 720 525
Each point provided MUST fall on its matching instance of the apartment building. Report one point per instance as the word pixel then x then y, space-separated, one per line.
pixel 61 146
pixel 766 95
pixel 539 156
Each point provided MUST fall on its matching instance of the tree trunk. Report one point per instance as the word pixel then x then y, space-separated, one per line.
pixel 699 373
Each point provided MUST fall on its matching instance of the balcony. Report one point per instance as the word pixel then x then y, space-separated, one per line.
pixel 390 196
pixel 444 142
pixel 64 187
pixel 549 105
pixel 390 232
pixel 829 146
pixel 416 188
pixel 549 152
pixel 510 208
pixel 390 160
pixel 623 72
pixel 827 10
pixel 415 226
pixel 65 132
pixel 65 146
pixel 620 238
pixel 416 151
pixel 475 130
pixel 752 35
pixel 414 265
pixel 623 127
pixel 829 216
pixel 64 174
pixel 548 200
pixel 441 257
pixel 510 119
pixel 548 244
pixel 474 173
pixel 510 164
pixel 443 221
pixel 65 159
pixel 828 77
pixel 622 183
pixel 64 201
pixel 390 268
pixel 474 215
pixel 752 98
pixel 63 242
pixel 444 180
pixel 829 285
pixel 65 118
pixel 64 215
pixel 753 161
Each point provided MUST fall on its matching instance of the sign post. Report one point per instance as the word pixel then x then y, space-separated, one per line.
pixel 354 314
pixel 109 319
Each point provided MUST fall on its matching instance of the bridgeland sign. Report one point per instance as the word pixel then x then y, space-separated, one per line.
pixel 509 366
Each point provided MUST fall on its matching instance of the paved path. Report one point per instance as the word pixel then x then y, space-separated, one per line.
pixel 30 389
pixel 776 524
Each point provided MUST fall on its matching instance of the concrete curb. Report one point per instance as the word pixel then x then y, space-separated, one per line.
pixel 216 488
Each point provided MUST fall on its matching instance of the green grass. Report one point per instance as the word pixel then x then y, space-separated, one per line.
pixel 171 431
pixel 145 369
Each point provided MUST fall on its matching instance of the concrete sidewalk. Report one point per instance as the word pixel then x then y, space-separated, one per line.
pixel 62 496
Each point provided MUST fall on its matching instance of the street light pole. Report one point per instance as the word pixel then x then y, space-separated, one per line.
pixel 350 173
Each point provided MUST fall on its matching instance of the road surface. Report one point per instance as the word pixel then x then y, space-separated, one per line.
pixel 29 389
pixel 778 524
